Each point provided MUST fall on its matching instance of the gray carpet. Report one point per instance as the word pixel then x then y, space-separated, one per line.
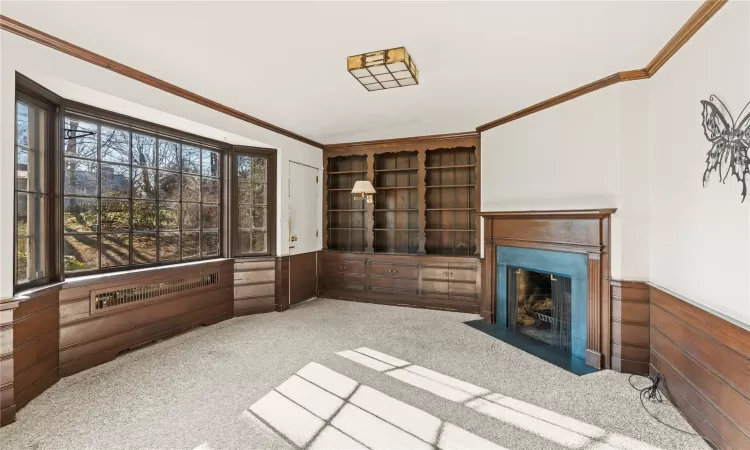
pixel 193 390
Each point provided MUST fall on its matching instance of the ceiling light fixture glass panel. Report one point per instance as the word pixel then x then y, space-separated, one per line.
pixel 386 66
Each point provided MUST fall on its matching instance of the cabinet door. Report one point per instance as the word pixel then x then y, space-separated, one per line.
pixel 355 267
pixel 331 267
pixel 381 269
pixel 462 273
pixel 461 288
pixel 405 271
pixel 435 273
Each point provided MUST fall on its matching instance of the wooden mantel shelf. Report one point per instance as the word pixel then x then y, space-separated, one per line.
pixel 550 214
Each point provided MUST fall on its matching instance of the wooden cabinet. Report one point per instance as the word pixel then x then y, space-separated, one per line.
pixel 437 282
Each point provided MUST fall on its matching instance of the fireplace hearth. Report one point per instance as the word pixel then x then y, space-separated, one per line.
pixel 539 306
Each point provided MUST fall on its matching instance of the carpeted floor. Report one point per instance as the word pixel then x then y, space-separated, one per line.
pixel 195 390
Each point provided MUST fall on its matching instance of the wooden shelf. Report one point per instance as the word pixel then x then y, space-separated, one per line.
pixel 463 166
pixel 450 185
pixel 347 172
pixel 441 230
pixel 339 189
pixel 396 229
pixel 449 209
pixel 396 210
pixel 347 210
pixel 337 228
pixel 396 170
pixel 394 187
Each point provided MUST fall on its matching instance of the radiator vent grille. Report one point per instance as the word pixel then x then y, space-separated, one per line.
pixel 103 300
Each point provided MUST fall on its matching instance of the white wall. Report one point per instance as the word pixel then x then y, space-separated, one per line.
pixel 700 237
pixel 576 155
pixel 34 60
pixel 639 147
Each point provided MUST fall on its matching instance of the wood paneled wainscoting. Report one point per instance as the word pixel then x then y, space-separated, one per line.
pixel 296 279
pixel 254 285
pixel 101 316
pixel 705 361
pixel 576 231
pixel 630 327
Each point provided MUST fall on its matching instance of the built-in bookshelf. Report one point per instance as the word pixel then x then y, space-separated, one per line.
pixel 346 216
pixel 396 228
pixel 425 202
pixel 450 202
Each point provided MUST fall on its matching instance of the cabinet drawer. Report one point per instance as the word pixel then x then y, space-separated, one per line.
pixel 435 286
pixel 462 274
pixel 405 284
pixel 330 267
pixel 463 288
pixel 355 267
pixel 381 281
pixel 405 271
pixel 435 273
pixel 381 269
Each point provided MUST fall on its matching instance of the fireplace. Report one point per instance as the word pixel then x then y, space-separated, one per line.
pixel 539 306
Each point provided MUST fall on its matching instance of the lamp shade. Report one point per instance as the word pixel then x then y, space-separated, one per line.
pixel 363 187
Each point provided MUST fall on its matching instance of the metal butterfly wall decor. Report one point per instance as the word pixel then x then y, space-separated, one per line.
pixel 730 141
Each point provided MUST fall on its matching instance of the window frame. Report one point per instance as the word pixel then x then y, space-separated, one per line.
pixel 133 125
pixel 270 156
pixel 37 96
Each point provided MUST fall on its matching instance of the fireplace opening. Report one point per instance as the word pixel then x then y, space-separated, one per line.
pixel 539 306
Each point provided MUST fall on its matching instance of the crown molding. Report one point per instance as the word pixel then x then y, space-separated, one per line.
pixel 55 43
pixel 707 9
pixel 468 138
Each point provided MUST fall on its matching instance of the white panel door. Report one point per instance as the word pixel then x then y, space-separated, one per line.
pixel 304 209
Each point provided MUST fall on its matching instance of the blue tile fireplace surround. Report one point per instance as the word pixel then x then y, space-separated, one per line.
pixel 555 263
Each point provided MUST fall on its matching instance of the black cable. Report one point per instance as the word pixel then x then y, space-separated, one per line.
pixel 653 394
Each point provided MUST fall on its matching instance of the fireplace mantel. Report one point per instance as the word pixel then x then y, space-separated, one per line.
pixel 576 231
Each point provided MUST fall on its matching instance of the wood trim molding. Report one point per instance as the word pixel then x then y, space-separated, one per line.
pixel 550 214
pixel 465 139
pixel 55 43
pixel 707 9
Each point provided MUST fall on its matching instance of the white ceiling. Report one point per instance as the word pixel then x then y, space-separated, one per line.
pixel 285 62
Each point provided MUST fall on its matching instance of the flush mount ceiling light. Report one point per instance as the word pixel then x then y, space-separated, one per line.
pixel 384 69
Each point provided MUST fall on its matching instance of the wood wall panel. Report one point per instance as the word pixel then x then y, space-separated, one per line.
pixel 36 363
pixel 254 286
pixel 296 279
pixel 87 340
pixel 630 327
pixel 706 364
pixel 7 392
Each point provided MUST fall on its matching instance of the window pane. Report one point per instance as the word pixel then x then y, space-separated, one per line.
pixel 259 194
pixel 169 246
pixel 115 180
pixel 144 183
pixel 22 124
pixel 244 216
pixel 169 216
pixel 210 190
pixel 210 216
pixel 243 167
pixel 191 159
pixel 115 145
pixel 144 248
pixel 169 155
pixel 115 250
pixel 259 217
pixel 115 216
pixel 210 166
pixel 84 146
pixel 144 150
pixel 22 260
pixel 81 177
pixel 191 188
pixel 210 243
pixel 81 252
pixel 144 215
pixel 30 170
pixel 258 170
pixel 81 215
pixel 191 215
pixel 22 169
pixel 244 193
pixel 169 186
pixel 252 241
pixel 190 244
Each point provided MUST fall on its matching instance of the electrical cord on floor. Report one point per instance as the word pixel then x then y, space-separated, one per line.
pixel 652 394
